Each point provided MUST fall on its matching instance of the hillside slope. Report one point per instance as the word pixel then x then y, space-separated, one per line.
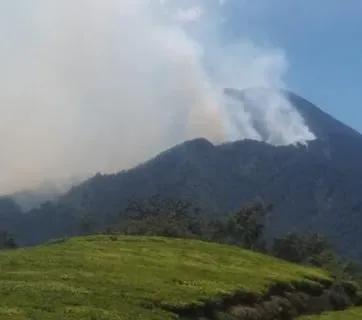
pixel 135 278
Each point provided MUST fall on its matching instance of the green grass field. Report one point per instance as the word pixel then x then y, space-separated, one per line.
pixel 129 278
pixel 352 314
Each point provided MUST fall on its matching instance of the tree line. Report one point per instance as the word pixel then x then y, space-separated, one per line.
pixel 245 227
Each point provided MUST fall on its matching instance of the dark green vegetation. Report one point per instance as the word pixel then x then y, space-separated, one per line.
pixel 7 241
pixel 352 314
pixel 114 277
pixel 175 218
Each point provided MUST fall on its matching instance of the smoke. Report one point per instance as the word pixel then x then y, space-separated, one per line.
pixel 93 85
pixel 264 114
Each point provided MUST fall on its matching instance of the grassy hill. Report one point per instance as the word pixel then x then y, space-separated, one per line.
pixel 352 314
pixel 128 278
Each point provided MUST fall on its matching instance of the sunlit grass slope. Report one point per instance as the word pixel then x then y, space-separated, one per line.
pixel 351 314
pixel 130 278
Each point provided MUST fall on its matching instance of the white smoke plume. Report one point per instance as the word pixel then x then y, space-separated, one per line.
pixel 100 85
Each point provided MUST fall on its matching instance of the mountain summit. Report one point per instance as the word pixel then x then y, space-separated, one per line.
pixel 321 124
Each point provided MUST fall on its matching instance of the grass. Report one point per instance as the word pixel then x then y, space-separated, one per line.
pixel 128 278
pixel 351 314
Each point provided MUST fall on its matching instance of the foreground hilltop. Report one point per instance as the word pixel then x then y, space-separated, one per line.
pixel 114 277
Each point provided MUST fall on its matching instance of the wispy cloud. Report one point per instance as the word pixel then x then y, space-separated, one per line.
pixel 190 14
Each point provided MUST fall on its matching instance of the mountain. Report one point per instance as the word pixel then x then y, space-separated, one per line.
pixel 314 187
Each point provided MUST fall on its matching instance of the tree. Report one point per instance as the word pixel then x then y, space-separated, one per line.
pixel 308 248
pixel 244 227
pixel 168 217
pixel 86 225
pixel 161 217
pixel 289 247
pixel 7 241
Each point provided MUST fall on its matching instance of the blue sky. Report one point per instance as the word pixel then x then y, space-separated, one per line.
pixel 323 44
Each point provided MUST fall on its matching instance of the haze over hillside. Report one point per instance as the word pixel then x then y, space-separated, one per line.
pixel 103 87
